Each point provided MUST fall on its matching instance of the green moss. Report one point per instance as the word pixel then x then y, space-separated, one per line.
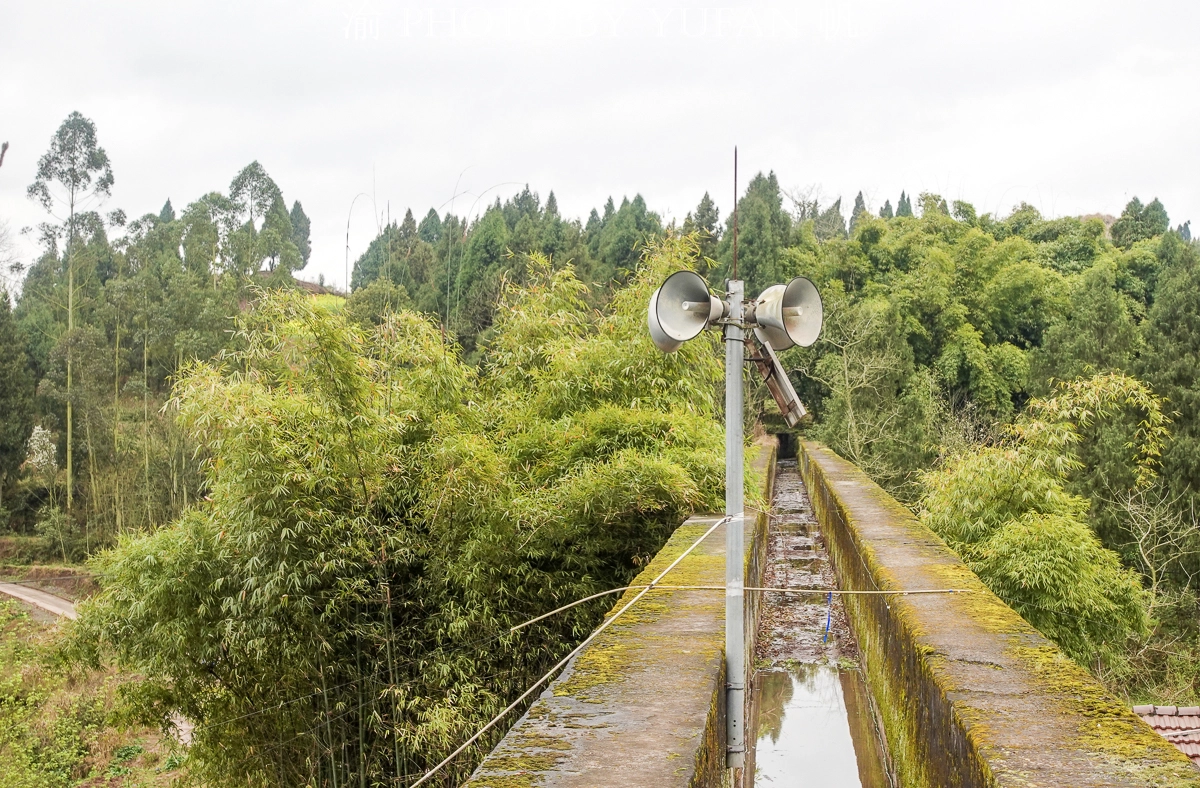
pixel 506 781
pixel 599 664
pixel 521 761
pixel 1108 728
pixel 539 741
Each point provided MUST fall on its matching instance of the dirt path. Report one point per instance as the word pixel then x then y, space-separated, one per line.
pixel 40 599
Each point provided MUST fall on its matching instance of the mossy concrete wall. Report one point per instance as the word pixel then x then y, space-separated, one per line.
pixel 969 693
pixel 643 704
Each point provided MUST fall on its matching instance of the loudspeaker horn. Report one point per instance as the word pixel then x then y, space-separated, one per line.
pixel 790 314
pixel 680 309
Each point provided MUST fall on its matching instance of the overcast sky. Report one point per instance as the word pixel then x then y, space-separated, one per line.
pixel 1073 107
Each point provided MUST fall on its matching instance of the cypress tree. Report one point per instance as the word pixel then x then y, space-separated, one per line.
pixel 1168 363
pixel 860 210
pixel 705 221
pixel 904 207
pixel 16 396
pixel 1138 222
pixel 886 211
pixel 430 228
pixel 301 227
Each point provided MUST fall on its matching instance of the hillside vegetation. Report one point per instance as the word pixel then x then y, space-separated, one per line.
pixel 314 519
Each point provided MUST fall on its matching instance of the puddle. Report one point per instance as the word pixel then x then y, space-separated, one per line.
pixel 814 729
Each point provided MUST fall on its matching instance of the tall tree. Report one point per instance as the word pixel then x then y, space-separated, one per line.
pixel 167 214
pixel 1139 222
pixel 860 210
pixel 624 234
pixel 705 220
pixel 904 207
pixel 886 211
pixel 830 223
pixel 430 228
pixel 1099 334
pixel 301 231
pixel 253 192
pixel 275 241
pixel 72 175
pixel 16 396
pixel 1169 362
pixel 763 231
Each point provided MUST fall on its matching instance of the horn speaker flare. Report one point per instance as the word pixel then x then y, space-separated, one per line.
pixel 790 314
pixel 680 310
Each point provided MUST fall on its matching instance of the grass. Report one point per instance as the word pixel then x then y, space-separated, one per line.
pixel 60 729
pixel 330 302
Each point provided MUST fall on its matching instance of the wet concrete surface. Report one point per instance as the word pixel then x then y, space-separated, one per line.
pixel 813 720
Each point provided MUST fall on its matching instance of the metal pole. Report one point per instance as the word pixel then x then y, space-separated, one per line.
pixel 735 563
pixel 348 215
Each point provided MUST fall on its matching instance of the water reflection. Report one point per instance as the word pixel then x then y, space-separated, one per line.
pixel 814 729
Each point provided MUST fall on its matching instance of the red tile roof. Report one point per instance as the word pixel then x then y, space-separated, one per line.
pixel 1179 725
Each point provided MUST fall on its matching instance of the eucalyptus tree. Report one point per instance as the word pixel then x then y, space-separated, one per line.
pixel 253 192
pixel 208 224
pixel 72 176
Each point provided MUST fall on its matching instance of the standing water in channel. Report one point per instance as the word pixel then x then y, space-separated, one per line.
pixel 812 715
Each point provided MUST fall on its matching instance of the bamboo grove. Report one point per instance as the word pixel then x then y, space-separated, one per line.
pixel 379 514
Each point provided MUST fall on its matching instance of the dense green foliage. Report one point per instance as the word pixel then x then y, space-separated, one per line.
pixel 379 514
pixel 59 729
pixel 16 398
pixel 326 513
pixel 949 336
pixel 108 315
pixel 1007 511
pixel 455 268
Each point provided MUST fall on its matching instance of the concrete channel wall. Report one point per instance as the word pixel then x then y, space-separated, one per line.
pixel 643 704
pixel 970 694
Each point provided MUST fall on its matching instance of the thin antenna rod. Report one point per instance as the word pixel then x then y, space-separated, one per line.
pixel 735 212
